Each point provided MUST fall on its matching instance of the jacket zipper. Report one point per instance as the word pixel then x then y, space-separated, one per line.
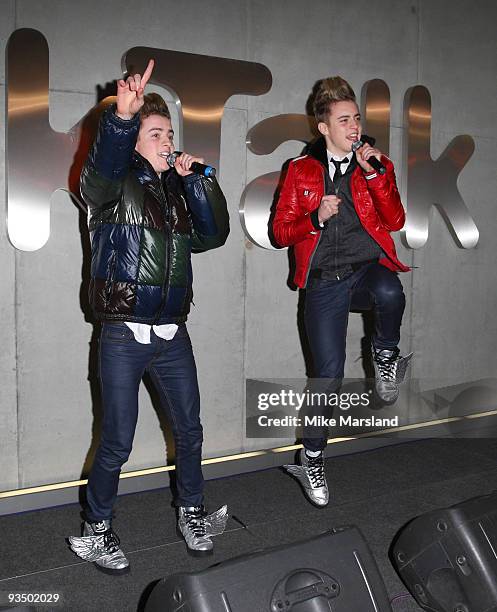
pixel 336 192
pixel 312 257
pixel 165 286
pixel 110 278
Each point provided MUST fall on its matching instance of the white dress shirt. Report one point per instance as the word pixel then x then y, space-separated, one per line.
pixel 141 331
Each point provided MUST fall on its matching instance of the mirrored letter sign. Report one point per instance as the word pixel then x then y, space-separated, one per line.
pixel 434 183
pixel 259 196
pixel 40 160
pixel 201 85
pixel 375 97
pixel 429 183
pixel 263 139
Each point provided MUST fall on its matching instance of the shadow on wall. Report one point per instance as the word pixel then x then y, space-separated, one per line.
pixel 89 126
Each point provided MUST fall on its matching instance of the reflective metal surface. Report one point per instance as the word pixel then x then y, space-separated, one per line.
pixel 39 160
pixel 434 182
pixel 201 85
pixel 255 208
pixel 258 196
pixel 376 113
pixel 269 134
pixel 34 150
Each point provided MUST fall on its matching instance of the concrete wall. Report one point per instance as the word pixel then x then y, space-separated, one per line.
pixel 244 322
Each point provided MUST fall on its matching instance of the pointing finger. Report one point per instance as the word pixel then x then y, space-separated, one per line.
pixel 148 72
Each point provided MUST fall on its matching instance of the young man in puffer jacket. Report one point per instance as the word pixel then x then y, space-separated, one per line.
pixel 145 218
pixel 337 212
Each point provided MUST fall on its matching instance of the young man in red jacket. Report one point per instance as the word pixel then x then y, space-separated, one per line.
pixel 337 212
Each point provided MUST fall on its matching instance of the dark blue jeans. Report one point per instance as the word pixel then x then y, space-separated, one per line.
pixel 171 365
pixel 327 306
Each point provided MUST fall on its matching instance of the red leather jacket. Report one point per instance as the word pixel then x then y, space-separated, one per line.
pixel 377 203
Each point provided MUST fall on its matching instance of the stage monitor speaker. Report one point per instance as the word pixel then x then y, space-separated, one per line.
pixel 448 557
pixel 334 571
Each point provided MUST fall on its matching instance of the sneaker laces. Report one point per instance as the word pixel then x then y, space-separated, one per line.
pixel 111 541
pixel 315 470
pixel 108 539
pixel 195 521
pixel 387 364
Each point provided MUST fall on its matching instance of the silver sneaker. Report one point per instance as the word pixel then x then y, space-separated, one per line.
pixel 198 527
pixel 390 370
pixel 100 545
pixel 310 474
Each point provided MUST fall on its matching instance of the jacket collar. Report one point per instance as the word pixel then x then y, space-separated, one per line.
pixel 144 171
pixel 317 149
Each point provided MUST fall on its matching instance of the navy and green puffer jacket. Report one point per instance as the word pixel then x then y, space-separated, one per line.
pixel 143 228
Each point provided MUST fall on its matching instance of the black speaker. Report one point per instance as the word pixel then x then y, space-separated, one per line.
pixel 334 571
pixel 448 558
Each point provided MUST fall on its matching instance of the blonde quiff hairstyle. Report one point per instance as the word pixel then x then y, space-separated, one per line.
pixel 328 91
pixel 154 105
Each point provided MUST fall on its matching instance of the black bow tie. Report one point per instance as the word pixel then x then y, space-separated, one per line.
pixel 337 163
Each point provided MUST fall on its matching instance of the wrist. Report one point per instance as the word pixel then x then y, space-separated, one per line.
pixel 368 169
pixel 317 223
pixel 124 116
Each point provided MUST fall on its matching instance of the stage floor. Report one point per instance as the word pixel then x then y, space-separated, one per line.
pixel 378 490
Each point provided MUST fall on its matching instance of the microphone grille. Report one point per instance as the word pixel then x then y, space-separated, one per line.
pixel 171 158
pixel 357 145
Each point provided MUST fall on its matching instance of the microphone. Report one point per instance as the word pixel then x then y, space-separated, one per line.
pixel 372 161
pixel 196 167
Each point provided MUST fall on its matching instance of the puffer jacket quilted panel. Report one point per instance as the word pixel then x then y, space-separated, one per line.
pixel 143 229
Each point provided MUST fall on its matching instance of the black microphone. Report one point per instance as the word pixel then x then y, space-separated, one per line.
pixel 372 161
pixel 196 167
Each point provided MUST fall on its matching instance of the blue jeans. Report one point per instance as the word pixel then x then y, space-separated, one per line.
pixel 171 365
pixel 327 306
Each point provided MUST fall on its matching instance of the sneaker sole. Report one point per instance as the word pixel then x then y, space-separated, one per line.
pixel 321 506
pixel 192 552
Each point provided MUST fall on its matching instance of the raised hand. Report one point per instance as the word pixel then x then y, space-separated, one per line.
pixel 130 93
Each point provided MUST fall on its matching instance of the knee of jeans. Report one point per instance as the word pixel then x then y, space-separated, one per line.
pixel 114 456
pixel 190 440
pixel 390 293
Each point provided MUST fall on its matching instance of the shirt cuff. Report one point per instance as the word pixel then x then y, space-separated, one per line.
pixel 315 220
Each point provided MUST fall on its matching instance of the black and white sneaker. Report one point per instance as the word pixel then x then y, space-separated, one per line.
pixel 198 527
pixel 311 476
pixel 390 370
pixel 100 545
